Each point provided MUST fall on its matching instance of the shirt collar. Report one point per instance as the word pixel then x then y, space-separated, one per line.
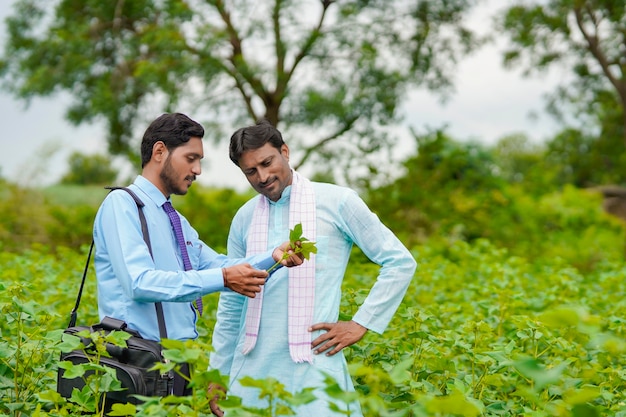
pixel 150 190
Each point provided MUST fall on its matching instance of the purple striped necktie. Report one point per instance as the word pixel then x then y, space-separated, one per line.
pixel 178 231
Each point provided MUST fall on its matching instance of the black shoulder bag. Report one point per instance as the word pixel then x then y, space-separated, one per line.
pixel 131 364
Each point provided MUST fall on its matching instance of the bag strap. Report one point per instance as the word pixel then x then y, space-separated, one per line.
pixel 142 218
pixel 72 322
pixel 146 238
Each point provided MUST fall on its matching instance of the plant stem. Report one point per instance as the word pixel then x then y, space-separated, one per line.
pixel 273 267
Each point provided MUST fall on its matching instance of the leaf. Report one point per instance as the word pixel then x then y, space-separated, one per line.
pixel 72 370
pixel 456 403
pixel 296 233
pixel 542 376
pixel 123 410
pixel 581 396
pixel 84 398
pixel 117 338
pixel 70 343
pixel 307 248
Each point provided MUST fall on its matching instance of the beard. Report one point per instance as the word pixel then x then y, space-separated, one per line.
pixel 168 176
pixel 273 195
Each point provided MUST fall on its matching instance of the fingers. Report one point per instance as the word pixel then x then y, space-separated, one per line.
pixel 322 339
pixel 250 293
pixel 336 349
pixel 215 392
pixel 292 258
pixel 338 336
pixel 321 326
pixel 215 409
pixel 244 279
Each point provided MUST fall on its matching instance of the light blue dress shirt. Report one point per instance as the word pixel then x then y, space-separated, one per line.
pixel 343 219
pixel 130 281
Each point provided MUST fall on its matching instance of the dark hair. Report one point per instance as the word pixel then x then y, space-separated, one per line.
pixel 254 137
pixel 173 129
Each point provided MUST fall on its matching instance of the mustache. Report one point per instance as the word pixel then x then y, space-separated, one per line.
pixel 268 181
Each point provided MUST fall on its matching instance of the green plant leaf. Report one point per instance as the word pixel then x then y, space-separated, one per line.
pixel 299 244
pixel 295 234
pixel 123 410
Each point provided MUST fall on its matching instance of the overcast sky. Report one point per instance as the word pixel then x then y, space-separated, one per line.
pixel 489 102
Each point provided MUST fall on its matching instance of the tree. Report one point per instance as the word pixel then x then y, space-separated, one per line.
pixel 329 74
pixel 588 36
pixel 520 161
pixel 585 161
pixel 449 188
pixel 89 169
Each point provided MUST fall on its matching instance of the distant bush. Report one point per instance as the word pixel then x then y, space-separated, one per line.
pixel 25 217
pixel 63 215
pixel 456 191
pixel 37 217
pixel 89 169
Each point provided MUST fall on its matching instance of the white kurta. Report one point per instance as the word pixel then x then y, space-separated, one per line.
pixel 343 219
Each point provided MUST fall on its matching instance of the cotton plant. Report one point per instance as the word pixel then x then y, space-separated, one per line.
pixel 298 244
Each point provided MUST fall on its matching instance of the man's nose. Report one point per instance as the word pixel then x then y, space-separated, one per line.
pixel 264 174
pixel 196 168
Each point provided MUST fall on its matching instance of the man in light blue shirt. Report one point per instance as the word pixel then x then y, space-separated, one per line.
pixel 339 218
pixel 130 279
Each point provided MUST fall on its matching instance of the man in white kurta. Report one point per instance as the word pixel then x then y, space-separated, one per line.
pixel 342 220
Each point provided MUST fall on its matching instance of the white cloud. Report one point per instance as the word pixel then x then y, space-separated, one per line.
pixel 489 103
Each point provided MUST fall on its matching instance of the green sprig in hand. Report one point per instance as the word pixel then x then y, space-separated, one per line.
pixel 298 244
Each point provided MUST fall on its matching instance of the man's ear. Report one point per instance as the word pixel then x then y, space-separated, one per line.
pixel 159 151
pixel 284 151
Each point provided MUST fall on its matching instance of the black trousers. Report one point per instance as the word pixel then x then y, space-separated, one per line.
pixel 180 384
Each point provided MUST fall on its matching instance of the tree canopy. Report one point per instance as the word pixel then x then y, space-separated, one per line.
pixel 331 75
pixel 588 37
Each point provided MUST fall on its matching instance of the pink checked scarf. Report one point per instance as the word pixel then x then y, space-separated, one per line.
pixel 301 294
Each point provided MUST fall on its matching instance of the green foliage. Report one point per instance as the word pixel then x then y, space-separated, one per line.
pixel 510 194
pixel 305 246
pixel 280 401
pixel 89 169
pixel 83 50
pixel 522 162
pixel 586 160
pixel 62 215
pixel 98 379
pixel 480 332
pixel 448 188
pixel 27 350
pixel 24 217
pixel 57 217
pixel 71 195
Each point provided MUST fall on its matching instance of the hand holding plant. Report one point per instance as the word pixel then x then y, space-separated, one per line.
pixel 297 244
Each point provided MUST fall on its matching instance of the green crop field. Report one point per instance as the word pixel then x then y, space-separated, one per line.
pixel 480 332
pixel 529 323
